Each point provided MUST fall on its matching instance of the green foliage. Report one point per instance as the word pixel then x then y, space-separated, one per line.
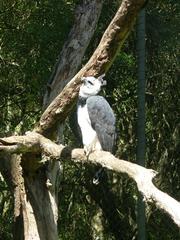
pixel 76 211
pixel 31 36
pixel 162 105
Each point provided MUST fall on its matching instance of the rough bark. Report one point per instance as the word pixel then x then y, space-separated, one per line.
pixel 40 206
pixel 99 63
pixel 70 58
pixel 142 176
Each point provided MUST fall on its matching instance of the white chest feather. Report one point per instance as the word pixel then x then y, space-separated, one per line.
pixel 89 136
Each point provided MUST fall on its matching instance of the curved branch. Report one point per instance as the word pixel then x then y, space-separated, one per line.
pixel 143 177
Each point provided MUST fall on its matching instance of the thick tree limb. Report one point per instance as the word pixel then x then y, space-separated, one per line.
pixel 143 177
pixel 101 60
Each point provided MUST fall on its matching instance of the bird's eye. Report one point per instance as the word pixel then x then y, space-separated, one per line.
pixel 90 82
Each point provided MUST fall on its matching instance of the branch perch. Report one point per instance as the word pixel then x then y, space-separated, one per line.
pixel 33 142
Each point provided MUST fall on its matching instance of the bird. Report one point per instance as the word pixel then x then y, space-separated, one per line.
pixel 96 118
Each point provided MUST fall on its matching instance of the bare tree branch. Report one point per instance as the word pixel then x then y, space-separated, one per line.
pixel 101 60
pixel 143 177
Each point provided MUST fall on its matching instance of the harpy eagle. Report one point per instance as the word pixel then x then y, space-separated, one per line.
pixel 95 117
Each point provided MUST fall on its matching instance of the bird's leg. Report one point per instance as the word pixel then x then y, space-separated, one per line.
pixel 94 146
pixel 87 151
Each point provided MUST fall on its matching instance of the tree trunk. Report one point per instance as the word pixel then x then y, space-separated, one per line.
pixel 70 58
pixel 40 213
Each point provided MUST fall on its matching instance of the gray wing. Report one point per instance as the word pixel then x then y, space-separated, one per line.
pixel 103 121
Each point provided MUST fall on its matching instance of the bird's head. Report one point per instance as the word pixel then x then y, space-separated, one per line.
pixel 91 86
